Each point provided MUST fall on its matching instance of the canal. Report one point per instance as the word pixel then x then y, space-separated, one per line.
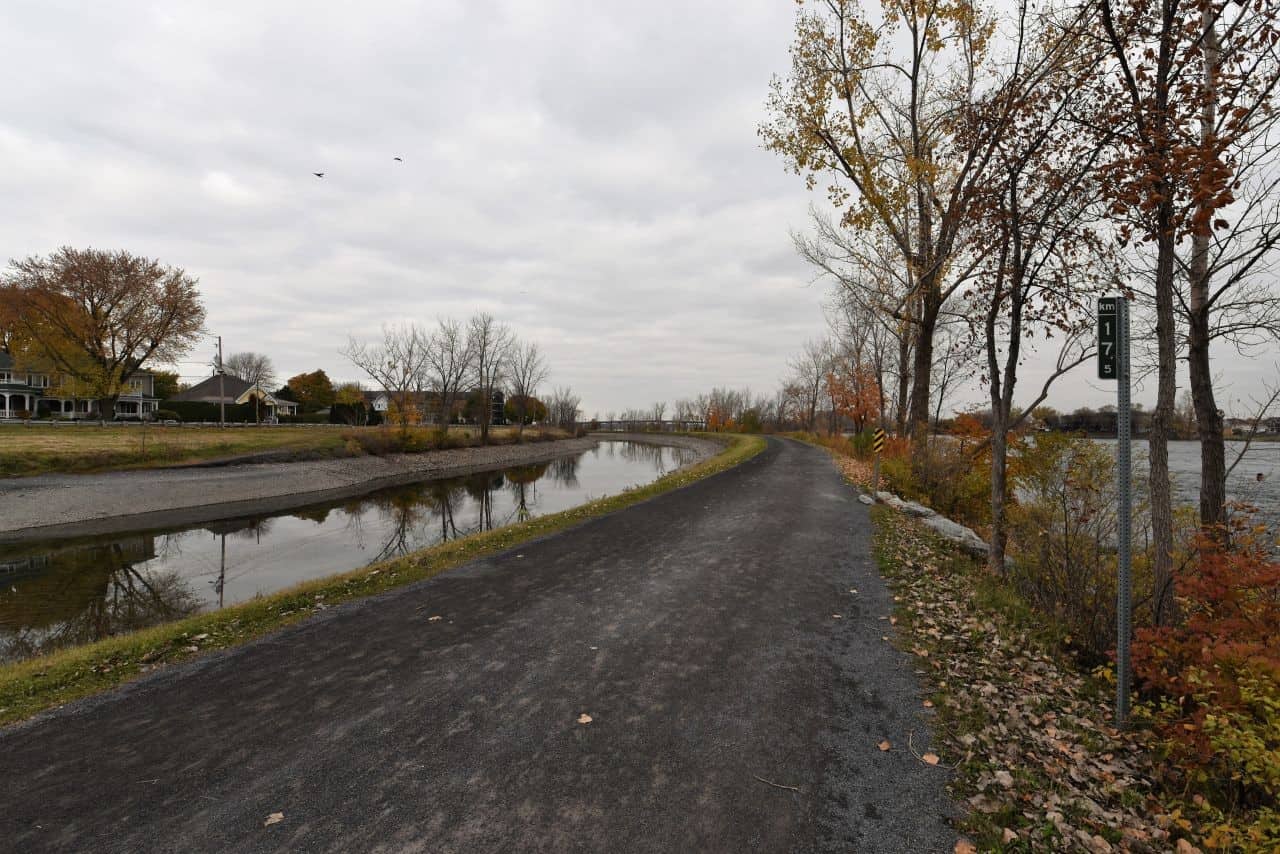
pixel 65 592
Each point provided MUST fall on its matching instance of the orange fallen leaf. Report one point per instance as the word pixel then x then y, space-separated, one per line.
pixel 884 745
pixel 928 704
pixel 274 818
pixel 964 846
pixel 584 718
pixel 930 758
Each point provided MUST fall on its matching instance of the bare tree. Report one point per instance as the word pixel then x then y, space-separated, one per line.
pixel 396 364
pixel 526 370
pixel 490 343
pixel 447 363
pixel 563 407
pixel 257 370
pixel 1039 213
pixel 809 369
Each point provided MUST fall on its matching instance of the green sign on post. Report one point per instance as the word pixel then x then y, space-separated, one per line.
pixel 1108 339
pixel 1113 364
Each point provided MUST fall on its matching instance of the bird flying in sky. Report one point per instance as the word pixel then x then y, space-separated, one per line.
pixel 401 159
pixel 318 174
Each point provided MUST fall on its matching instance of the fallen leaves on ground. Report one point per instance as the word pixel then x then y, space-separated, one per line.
pixel 884 745
pixel 1037 758
pixel 274 818
pixel 584 718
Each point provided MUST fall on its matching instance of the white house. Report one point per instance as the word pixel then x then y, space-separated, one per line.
pixel 37 393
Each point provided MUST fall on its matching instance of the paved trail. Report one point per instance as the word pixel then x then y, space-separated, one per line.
pixel 696 630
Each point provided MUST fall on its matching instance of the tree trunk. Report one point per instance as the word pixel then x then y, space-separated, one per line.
pixel 999 492
pixel 1161 426
pixel 1213 465
pixel 904 381
pixel 923 365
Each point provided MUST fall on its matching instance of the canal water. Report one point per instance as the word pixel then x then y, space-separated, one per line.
pixel 1242 484
pixel 72 591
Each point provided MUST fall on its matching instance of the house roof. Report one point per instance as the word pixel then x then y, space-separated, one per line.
pixel 207 390
pixel 267 398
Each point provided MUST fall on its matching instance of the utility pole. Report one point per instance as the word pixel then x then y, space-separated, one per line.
pixel 222 393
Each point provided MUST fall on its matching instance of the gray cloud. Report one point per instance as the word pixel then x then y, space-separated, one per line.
pixel 587 172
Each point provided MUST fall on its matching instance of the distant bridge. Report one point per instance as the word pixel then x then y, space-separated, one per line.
pixel 646 426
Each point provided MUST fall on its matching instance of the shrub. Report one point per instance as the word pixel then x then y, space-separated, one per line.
pixel 860 443
pixel 1063 534
pixel 198 410
pixel 953 476
pixel 1219 670
pixel 165 415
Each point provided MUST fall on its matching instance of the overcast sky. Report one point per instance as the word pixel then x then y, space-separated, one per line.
pixel 587 172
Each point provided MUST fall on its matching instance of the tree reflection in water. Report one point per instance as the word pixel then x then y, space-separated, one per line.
pixel 564 471
pixel 662 458
pixel 53 598
pixel 522 480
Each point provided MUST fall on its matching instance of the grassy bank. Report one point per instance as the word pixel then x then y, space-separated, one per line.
pixel 83 448
pixel 38 684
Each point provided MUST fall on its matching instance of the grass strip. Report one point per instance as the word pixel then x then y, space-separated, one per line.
pixel 33 686
pixel 83 449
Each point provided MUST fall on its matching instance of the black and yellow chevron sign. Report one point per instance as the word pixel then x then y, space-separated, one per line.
pixel 877 441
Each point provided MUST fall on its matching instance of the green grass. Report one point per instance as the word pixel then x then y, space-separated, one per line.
pixel 82 448
pixel 32 686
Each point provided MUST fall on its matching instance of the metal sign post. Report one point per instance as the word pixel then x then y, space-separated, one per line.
pixel 1113 364
pixel 877 445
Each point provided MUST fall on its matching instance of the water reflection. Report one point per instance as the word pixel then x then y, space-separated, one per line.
pixel 78 593
pixel 62 593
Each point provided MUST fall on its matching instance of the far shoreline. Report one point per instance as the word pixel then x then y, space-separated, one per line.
pixel 195 495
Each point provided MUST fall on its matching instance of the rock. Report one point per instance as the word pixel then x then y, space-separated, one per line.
pixel 914 508
pixel 885 497
pixel 866 499
pixel 958 533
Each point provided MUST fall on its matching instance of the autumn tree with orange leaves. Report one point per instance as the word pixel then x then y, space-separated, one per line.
pixel 866 112
pixel 1188 93
pixel 854 396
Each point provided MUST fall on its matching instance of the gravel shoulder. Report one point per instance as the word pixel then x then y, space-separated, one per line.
pixel 72 505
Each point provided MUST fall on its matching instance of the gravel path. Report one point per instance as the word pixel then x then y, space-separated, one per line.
pixel 736 688
pixel 57 505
